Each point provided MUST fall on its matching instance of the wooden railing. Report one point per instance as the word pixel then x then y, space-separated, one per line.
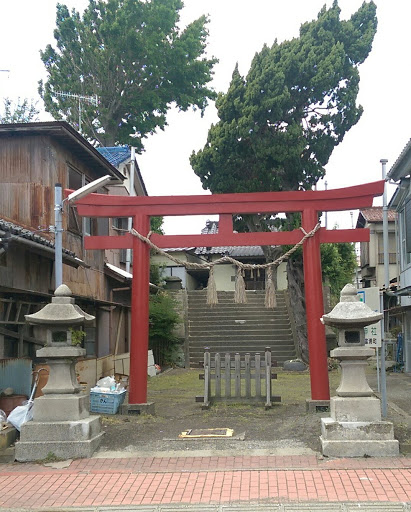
pixel 244 380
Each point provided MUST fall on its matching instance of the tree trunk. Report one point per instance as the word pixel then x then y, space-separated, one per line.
pixel 295 276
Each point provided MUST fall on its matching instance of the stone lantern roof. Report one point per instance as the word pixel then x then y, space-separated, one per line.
pixel 61 311
pixel 350 311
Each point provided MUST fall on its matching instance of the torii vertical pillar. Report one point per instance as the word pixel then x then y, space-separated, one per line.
pixel 139 314
pixel 314 306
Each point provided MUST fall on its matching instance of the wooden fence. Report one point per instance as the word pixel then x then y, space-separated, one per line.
pixel 238 375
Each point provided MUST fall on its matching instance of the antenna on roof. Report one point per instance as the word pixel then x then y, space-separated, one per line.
pixel 93 100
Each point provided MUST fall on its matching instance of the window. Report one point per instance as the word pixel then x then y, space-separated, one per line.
pixel 76 180
pixel 405 234
pixel 84 225
pixel 407 221
pixel 120 225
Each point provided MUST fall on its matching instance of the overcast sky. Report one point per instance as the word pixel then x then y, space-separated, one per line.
pixel 238 29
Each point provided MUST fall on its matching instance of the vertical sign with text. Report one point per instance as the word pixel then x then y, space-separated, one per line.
pixel 371 297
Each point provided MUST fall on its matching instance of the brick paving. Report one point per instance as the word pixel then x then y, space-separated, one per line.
pixel 204 480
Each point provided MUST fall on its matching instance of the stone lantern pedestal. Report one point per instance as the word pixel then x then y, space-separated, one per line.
pixel 61 422
pixel 355 428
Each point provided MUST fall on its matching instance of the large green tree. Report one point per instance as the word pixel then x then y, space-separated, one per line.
pixel 132 55
pixel 280 123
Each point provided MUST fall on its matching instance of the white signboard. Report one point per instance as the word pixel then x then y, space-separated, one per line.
pixel 371 297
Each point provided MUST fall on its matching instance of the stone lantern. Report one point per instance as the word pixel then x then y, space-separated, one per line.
pixel 61 423
pixel 355 428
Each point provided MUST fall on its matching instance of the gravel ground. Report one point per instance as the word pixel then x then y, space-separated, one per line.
pixel 286 428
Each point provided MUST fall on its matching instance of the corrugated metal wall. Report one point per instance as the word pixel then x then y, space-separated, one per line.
pixel 16 374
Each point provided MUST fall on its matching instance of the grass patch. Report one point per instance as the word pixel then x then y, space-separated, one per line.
pixel 180 385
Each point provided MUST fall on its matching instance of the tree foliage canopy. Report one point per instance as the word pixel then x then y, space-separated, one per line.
pixel 22 111
pixel 131 54
pixel 279 125
pixel 338 263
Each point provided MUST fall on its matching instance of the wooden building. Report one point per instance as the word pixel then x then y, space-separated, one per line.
pixel 33 158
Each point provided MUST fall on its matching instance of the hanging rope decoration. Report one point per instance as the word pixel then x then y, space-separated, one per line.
pixel 239 291
pixel 270 296
pixel 211 289
pixel 239 294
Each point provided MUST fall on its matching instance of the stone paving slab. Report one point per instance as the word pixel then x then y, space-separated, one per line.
pixel 209 484
pixel 279 507
pixel 216 463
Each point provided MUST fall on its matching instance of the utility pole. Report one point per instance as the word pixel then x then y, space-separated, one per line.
pixel 383 162
pixel 93 100
pixel 58 235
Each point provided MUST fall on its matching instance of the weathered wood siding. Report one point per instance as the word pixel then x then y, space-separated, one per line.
pixel 21 269
pixel 29 168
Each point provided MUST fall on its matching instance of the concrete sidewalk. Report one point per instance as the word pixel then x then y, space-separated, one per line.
pixel 195 483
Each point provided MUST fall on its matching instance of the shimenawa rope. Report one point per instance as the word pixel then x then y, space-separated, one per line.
pixel 239 294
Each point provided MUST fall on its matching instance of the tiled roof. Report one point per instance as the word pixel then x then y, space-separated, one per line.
pixel 211 228
pixel 234 252
pixel 245 251
pixel 115 155
pixel 374 214
pixel 8 228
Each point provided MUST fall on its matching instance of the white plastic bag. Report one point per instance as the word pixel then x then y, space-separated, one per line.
pixel 107 382
pixel 3 418
pixel 20 415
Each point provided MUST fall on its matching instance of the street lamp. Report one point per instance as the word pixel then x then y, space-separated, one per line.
pixel 58 218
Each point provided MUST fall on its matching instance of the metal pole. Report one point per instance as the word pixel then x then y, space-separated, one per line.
pixel 58 235
pixel 130 219
pixel 386 286
pixel 385 227
pixel 377 352
pixel 79 115
pixel 383 380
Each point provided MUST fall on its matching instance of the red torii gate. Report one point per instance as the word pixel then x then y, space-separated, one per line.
pixel 309 203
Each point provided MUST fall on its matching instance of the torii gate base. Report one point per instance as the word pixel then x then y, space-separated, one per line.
pixel 309 203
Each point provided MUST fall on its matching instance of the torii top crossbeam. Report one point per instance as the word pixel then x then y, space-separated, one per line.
pixel 360 196
pixel 309 203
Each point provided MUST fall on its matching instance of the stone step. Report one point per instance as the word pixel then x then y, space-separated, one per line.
pixel 231 313
pixel 239 328
pixel 271 323
pixel 230 300
pixel 257 300
pixel 241 342
pixel 285 352
pixel 195 329
pixel 245 346
pixel 241 336
pixel 195 362
pixel 249 293
pixel 256 308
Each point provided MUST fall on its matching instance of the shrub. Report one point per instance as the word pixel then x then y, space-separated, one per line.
pixel 163 320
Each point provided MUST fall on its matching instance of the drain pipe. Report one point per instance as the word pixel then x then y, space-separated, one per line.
pixel 132 193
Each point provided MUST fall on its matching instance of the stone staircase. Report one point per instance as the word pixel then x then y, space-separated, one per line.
pixel 243 328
